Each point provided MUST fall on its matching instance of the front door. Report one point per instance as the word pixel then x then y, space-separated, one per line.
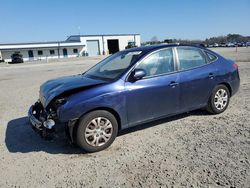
pixel 196 78
pixel 31 55
pixel 65 52
pixel 157 94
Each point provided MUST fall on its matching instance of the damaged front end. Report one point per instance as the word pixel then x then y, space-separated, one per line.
pixel 44 114
pixel 45 121
pixel 42 121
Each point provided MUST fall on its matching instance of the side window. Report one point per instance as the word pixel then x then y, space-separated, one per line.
pixel 190 58
pixel 40 52
pixel 211 57
pixel 160 62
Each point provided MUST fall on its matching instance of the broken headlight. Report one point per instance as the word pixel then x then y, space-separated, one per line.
pixel 61 101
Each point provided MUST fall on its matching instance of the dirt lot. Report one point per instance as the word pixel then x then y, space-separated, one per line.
pixel 193 149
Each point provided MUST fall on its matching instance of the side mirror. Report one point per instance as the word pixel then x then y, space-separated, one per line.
pixel 138 74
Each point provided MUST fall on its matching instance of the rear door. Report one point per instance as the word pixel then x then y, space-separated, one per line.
pixel 196 77
pixel 157 94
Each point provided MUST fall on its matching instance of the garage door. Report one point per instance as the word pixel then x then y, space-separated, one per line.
pixel 93 47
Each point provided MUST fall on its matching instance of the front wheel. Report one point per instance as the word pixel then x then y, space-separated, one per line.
pixel 96 131
pixel 219 100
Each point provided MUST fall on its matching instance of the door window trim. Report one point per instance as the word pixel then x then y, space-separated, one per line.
pixel 153 76
pixel 206 52
pixel 178 60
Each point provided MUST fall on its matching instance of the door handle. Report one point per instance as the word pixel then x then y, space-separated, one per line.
pixel 173 84
pixel 211 75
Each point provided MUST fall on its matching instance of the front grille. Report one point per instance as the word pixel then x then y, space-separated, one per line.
pixel 40 113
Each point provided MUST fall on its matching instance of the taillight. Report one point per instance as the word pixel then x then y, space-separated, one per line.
pixel 235 66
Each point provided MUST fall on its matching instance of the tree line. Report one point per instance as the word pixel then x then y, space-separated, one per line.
pixel 233 38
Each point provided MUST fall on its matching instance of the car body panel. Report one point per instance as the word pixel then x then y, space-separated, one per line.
pixel 152 98
pixel 196 86
pixel 228 74
pixel 55 87
pixel 110 96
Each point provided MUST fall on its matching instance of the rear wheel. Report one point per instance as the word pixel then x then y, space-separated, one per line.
pixel 96 131
pixel 219 100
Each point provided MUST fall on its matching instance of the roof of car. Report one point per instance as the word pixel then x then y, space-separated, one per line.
pixel 159 46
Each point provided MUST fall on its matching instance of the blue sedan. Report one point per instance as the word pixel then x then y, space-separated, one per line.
pixel 132 87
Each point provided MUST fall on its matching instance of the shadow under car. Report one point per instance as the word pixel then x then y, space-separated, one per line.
pixel 20 137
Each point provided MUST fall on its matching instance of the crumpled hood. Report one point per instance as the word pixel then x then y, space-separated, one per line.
pixel 52 88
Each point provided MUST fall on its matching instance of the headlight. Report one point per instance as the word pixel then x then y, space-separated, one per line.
pixel 49 123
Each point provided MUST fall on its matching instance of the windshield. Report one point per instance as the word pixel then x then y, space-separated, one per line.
pixel 114 66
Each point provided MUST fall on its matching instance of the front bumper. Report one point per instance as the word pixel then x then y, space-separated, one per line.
pixel 37 116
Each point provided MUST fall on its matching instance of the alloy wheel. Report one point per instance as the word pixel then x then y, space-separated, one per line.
pixel 98 132
pixel 221 99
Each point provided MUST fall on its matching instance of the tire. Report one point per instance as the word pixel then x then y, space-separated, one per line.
pixel 216 103
pixel 96 131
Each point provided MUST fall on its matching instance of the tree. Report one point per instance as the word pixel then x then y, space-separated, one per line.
pixel 154 39
pixel 168 41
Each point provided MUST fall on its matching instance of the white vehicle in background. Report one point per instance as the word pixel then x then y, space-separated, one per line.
pixel 230 44
pixel 223 44
pixel 215 45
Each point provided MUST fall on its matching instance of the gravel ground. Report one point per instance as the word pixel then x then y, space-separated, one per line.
pixel 190 150
pixel 237 54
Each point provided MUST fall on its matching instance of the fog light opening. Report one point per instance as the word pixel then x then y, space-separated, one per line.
pixel 49 123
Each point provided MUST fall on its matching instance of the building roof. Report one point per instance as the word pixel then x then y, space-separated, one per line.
pixel 104 35
pixel 26 43
pixel 33 45
pixel 77 37
pixel 73 40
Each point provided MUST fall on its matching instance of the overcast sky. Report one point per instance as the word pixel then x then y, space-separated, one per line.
pixel 49 20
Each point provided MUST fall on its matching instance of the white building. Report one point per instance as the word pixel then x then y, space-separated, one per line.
pixel 74 46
